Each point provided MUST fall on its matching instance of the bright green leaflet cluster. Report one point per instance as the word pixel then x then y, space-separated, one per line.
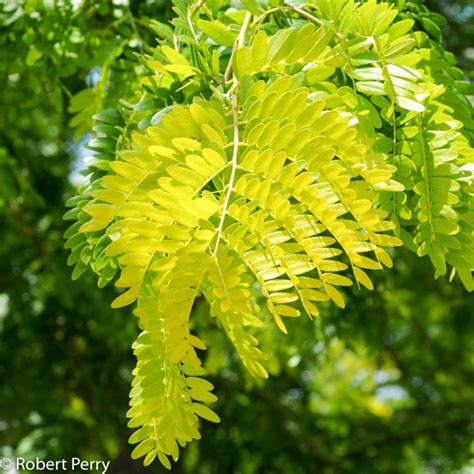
pixel 277 150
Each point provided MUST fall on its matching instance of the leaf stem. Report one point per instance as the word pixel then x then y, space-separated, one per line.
pixel 426 174
pixel 267 13
pixel 304 14
pixel 235 152
pixel 239 43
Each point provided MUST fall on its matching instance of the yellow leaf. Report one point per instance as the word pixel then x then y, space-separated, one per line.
pixel 162 151
pixel 127 170
pixel 314 295
pixel 288 311
pixel 213 158
pixel 335 279
pixel 385 240
pixel 282 298
pixel 335 296
pixel 196 342
pixel 259 51
pixel 183 144
pixel 143 448
pixel 178 351
pixel 202 395
pixel 205 412
pixel 185 176
pixel 164 460
pixel 150 457
pixel 109 196
pixel 361 206
pixel 363 278
pixel 101 211
pixel 377 176
pixel 94 225
pixel 199 384
pixel 279 285
pixel 126 298
pixel 203 208
pixel 174 56
pixel 135 259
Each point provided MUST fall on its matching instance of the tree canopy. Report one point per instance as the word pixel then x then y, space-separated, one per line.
pixel 382 385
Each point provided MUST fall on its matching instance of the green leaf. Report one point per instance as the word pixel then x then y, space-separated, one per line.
pixel 253 7
pixel 432 28
pixel 174 56
pixel 218 32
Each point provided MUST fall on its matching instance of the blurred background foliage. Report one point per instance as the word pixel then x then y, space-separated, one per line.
pixel 385 386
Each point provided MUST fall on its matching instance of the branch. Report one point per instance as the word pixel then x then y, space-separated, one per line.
pixel 304 14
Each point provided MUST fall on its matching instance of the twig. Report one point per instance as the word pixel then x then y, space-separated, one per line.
pixel 304 14
pixel 239 43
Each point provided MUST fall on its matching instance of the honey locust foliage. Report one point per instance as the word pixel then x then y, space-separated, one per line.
pixel 277 152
